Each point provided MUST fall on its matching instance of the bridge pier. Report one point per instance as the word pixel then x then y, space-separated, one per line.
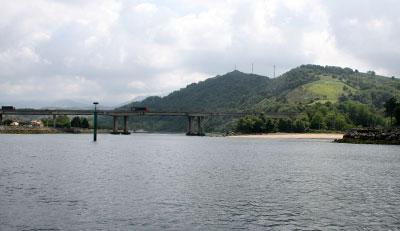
pixel 54 121
pixel 200 126
pixel 126 132
pixel 1 119
pixel 191 128
pixel 115 127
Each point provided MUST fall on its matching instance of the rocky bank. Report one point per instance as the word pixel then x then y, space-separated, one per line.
pixel 371 136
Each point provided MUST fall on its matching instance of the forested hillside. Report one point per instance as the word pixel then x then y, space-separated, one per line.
pixel 325 98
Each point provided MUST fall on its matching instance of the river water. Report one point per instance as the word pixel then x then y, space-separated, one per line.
pixel 173 182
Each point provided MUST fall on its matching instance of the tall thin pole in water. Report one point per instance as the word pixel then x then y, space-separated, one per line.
pixel 95 122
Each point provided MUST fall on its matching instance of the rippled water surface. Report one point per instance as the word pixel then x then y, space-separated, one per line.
pixel 161 182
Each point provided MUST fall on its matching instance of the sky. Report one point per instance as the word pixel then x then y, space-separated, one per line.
pixel 115 51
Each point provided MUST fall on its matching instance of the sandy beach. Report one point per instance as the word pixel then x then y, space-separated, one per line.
pixel 294 136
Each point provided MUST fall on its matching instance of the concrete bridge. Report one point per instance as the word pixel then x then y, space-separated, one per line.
pixel 194 118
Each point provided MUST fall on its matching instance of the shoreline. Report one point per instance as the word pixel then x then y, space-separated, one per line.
pixel 328 136
pixel 47 130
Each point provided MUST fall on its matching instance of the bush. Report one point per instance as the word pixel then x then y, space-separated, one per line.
pixel 84 123
pixel 76 122
pixel 63 122
pixel 7 122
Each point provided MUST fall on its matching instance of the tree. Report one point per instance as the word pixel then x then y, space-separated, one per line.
pixel 285 125
pixel 258 125
pixel 270 125
pixel 300 125
pixel 317 121
pixel 76 122
pixel 63 122
pixel 245 124
pixel 340 122
pixel 84 123
pixel 390 107
pixel 330 121
pixel 397 114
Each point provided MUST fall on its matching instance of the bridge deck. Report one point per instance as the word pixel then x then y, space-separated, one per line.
pixel 133 113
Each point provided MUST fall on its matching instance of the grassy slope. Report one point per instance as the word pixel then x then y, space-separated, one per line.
pixel 323 90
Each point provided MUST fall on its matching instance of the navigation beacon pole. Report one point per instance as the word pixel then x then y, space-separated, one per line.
pixel 95 122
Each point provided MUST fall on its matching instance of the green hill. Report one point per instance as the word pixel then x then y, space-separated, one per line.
pixel 307 90
pixel 234 91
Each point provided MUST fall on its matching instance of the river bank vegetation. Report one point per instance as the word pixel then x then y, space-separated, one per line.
pixel 329 116
pixel 67 122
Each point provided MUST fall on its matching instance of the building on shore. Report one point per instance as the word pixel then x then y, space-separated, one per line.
pixel 15 124
pixel 36 123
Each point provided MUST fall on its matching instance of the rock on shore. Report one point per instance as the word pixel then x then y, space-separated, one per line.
pixel 371 136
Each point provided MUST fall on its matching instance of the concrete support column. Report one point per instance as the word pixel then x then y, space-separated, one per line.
pixel 126 126
pixel 54 121
pixel 190 126
pixel 1 119
pixel 115 128
pixel 199 126
pixel 192 131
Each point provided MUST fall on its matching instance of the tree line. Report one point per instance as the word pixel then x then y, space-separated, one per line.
pixel 317 117
pixel 66 122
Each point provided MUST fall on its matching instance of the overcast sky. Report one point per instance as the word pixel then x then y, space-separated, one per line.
pixel 113 51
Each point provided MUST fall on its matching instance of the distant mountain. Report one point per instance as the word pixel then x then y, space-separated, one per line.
pixel 69 104
pixel 297 90
pixel 72 104
pixel 22 103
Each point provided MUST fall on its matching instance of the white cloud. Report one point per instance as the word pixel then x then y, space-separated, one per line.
pixel 178 78
pixel 137 84
pixel 20 88
pixel 321 47
pixel 127 48
pixel 145 8
pixel 18 55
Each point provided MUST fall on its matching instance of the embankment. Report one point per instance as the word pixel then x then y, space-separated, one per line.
pixel 28 130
